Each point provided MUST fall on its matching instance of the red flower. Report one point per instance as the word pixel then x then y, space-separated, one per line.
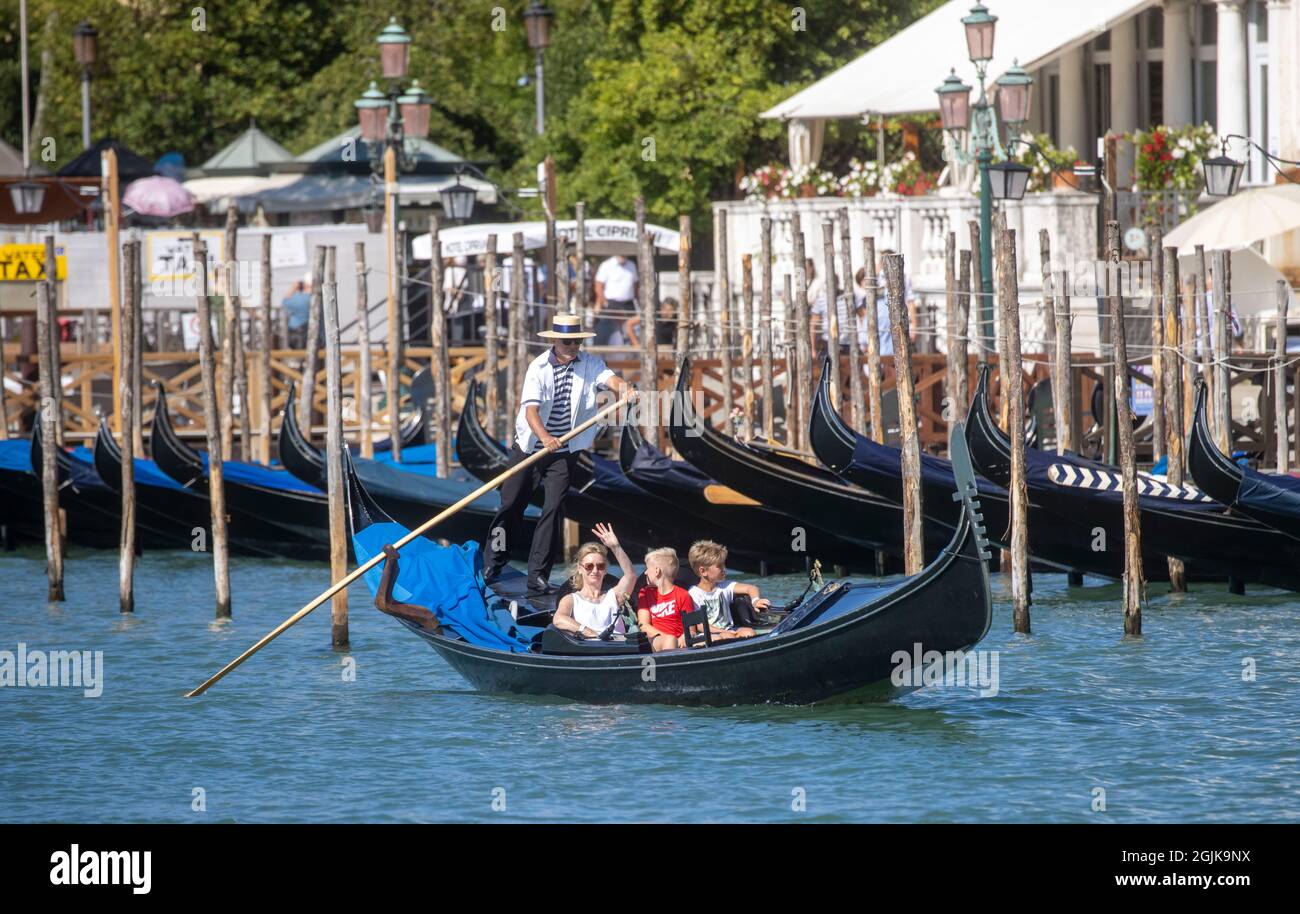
pixel 1148 148
pixel 1167 156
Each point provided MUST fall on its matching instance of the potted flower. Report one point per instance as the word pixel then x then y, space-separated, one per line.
pixel 863 179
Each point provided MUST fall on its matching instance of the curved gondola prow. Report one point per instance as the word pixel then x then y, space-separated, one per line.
pixel 362 508
pixel 629 442
pixel 1211 470
pixel 173 456
pixel 298 455
pixel 971 540
pixel 108 457
pixel 476 449
pixel 832 441
pixel 988 448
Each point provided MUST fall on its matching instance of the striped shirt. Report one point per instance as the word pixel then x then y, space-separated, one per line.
pixel 558 422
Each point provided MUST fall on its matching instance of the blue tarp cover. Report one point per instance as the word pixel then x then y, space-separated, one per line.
pixel 146 471
pixel 446 580
pixel 656 465
pixel 254 474
pixel 16 455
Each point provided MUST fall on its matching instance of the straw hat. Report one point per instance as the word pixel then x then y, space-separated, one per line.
pixel 566 327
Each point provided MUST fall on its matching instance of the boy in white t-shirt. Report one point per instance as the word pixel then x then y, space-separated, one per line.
pixel 714 592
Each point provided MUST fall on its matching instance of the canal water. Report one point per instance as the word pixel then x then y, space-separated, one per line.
pixel 1195 721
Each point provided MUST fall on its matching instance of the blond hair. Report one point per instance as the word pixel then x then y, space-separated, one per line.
pixel 664 557
pixel 586 549
pixel 705 553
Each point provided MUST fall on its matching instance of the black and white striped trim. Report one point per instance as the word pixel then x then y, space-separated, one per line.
pixel 1063 474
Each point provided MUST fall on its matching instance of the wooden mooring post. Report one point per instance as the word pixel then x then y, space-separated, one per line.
pixel 1222 379
pixel 515 352
pixel 47 353
pixel 1013 391
pixel 396 313
pixel 977 290
pixel 126 542
pixel 686 297
pixel 438 359
pixel 959 343
pixel 1062 369
pixel 365 367
pixel 801 382
pixel 875 399
pixel 1159 447
pixel 832 328
pixel 1279 380
pixel 913 521
pixel 212 426
pixel 578 303
pixel 724 319
pixel 950 331
pixel 334 445
pixel 747 345
pixel 649 353
pixel 1171 376
pixel 491 328
pixel 765 331
pixel 1134 584
pixel 265 390
pixel 857 396
pixel 311 358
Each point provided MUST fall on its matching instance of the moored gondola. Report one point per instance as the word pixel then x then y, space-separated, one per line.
pixel 813 496
pixel 848 639
pixel 1179 521
pixel 878 467
pixel 1270 498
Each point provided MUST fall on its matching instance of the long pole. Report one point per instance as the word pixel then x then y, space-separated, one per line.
pixel 394 391
pixel 379 556
pixel 541 95
pixel 441 368
pixel 1173 401
pixel 801 377
pixel 1134 585
pixel 1063 371
pixel 212 423
pixel 875 398
pixel 724 318
pixel 48 416
pixel 491 370
pixel 311 357
pixel 747 344
pixel 985 242
pixel 126 557
pixel 1222 380
pixel 85 107
pixel 913 530
pixel 856 394
pixel 950 323
pixel 578 304
pixel 1014 396
pixel 108 167
pixel 334 445
pixel 960 343
pixel 765 333
pixel 1279 379
pixel 516 354
pixel 1158 343
pixel 649 351
pixel 978 272
pixel 832 312
pixel 685 293
pixel 264 364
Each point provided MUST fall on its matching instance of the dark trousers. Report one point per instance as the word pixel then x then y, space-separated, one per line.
pixel 552 472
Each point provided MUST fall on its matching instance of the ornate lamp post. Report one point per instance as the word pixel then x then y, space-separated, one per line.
pixel 537 20
pixel 84 44
pixel 977 124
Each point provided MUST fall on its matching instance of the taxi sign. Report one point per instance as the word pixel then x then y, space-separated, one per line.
pixel 26 263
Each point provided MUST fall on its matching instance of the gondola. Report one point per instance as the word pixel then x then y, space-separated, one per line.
pixel 878 467
pixel 1273 499
pixel 1178 521
pixel 598 492
pixel 749 528
pixel 411 498
pixel 846 640
pixel 21 508
pixel 813 496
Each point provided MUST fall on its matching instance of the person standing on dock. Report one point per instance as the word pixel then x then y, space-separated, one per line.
pixel 616 291
pixel 559 394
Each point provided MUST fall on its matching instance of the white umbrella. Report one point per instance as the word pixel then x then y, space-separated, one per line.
pixel 1240 220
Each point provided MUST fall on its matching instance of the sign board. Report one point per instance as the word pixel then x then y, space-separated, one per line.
pixel 26 263
pixel 1141 396
pixel 170 255
pixel 288 249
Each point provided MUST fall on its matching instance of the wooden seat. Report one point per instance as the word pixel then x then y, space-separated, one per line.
pixel 693 618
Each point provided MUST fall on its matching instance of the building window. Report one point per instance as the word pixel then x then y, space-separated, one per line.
pixel 1209 23
pixel 1101 99
pixel 1206 98
pixel 1155 27
pixel 1155 92
pixel 1054 108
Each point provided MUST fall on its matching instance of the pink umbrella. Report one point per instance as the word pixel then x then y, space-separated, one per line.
pixel 158 196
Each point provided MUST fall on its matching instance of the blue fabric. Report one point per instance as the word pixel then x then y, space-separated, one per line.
pixel 654 464
pixel 254 474
pixel 446 580
pixel 16 455
pixel 609 478
pixel 298 305
pixel 146 471
pixel 419 454
pixel 1160 467
pixel 885 464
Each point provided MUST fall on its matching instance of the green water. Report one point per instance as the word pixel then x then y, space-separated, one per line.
pixel 1165 725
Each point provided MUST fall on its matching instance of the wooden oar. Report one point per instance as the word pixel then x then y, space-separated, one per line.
pixel 716 494
pixel 379 556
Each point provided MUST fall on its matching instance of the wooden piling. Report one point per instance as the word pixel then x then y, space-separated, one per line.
pixel 311 360
pixel 1171 377
pixel 857 396
pixel 977 290
pixel 1158 446
pixel 1279 379
pixel 334 445
pixel 578 304
pixel 1134 585
pixel 1222 380
pixel 515 362
pixel 913 537
pixel 365 367
pixel 959 344
pixel 765 331
pixel 1062 369
pixel 131 304
pixel 265 387
pixel 439 359
pixel 801 381
pixel 1204 339
pixel 724 319
pixel 56 351
pixel 396 313
pixel 685 294
pixel 747 344
pixel 1013 392
pixel 234 357
pixel 212 425
pixel 646 283
pixel 832 312
pixel 491 366
pixel 135 367
pixel 875 399
pixel 112 218
pixel 952 367
pixel 1187 364
pixel 791 366
pixel 48 415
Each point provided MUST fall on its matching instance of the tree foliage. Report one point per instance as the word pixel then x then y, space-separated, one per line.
pixel 658 98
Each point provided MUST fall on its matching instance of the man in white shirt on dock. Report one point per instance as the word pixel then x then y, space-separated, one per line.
pixel 616 284
pixel 559 394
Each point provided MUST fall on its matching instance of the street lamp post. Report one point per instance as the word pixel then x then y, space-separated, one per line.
pixel 84 41
pixel 960 117
pixel 537 21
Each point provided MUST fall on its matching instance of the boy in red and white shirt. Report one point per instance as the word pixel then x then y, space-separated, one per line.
pixel 660 604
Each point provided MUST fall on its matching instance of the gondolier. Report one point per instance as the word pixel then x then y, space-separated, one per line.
pixel 559 394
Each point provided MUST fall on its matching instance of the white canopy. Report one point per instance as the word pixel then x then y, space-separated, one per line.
pixel 215 191
pixel 604 237
pixel 899 75
pixel 1239 220
pixel 1254 281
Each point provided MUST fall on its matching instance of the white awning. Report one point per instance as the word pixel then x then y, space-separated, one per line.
pixel 604 237
pixel 899 76
pixel 218 190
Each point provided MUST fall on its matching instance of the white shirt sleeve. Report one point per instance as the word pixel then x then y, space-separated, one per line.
pixel 602 274
pixel 532 392
pixel 603 371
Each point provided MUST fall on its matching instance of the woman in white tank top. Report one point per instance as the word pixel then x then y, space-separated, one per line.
pixel 589 610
